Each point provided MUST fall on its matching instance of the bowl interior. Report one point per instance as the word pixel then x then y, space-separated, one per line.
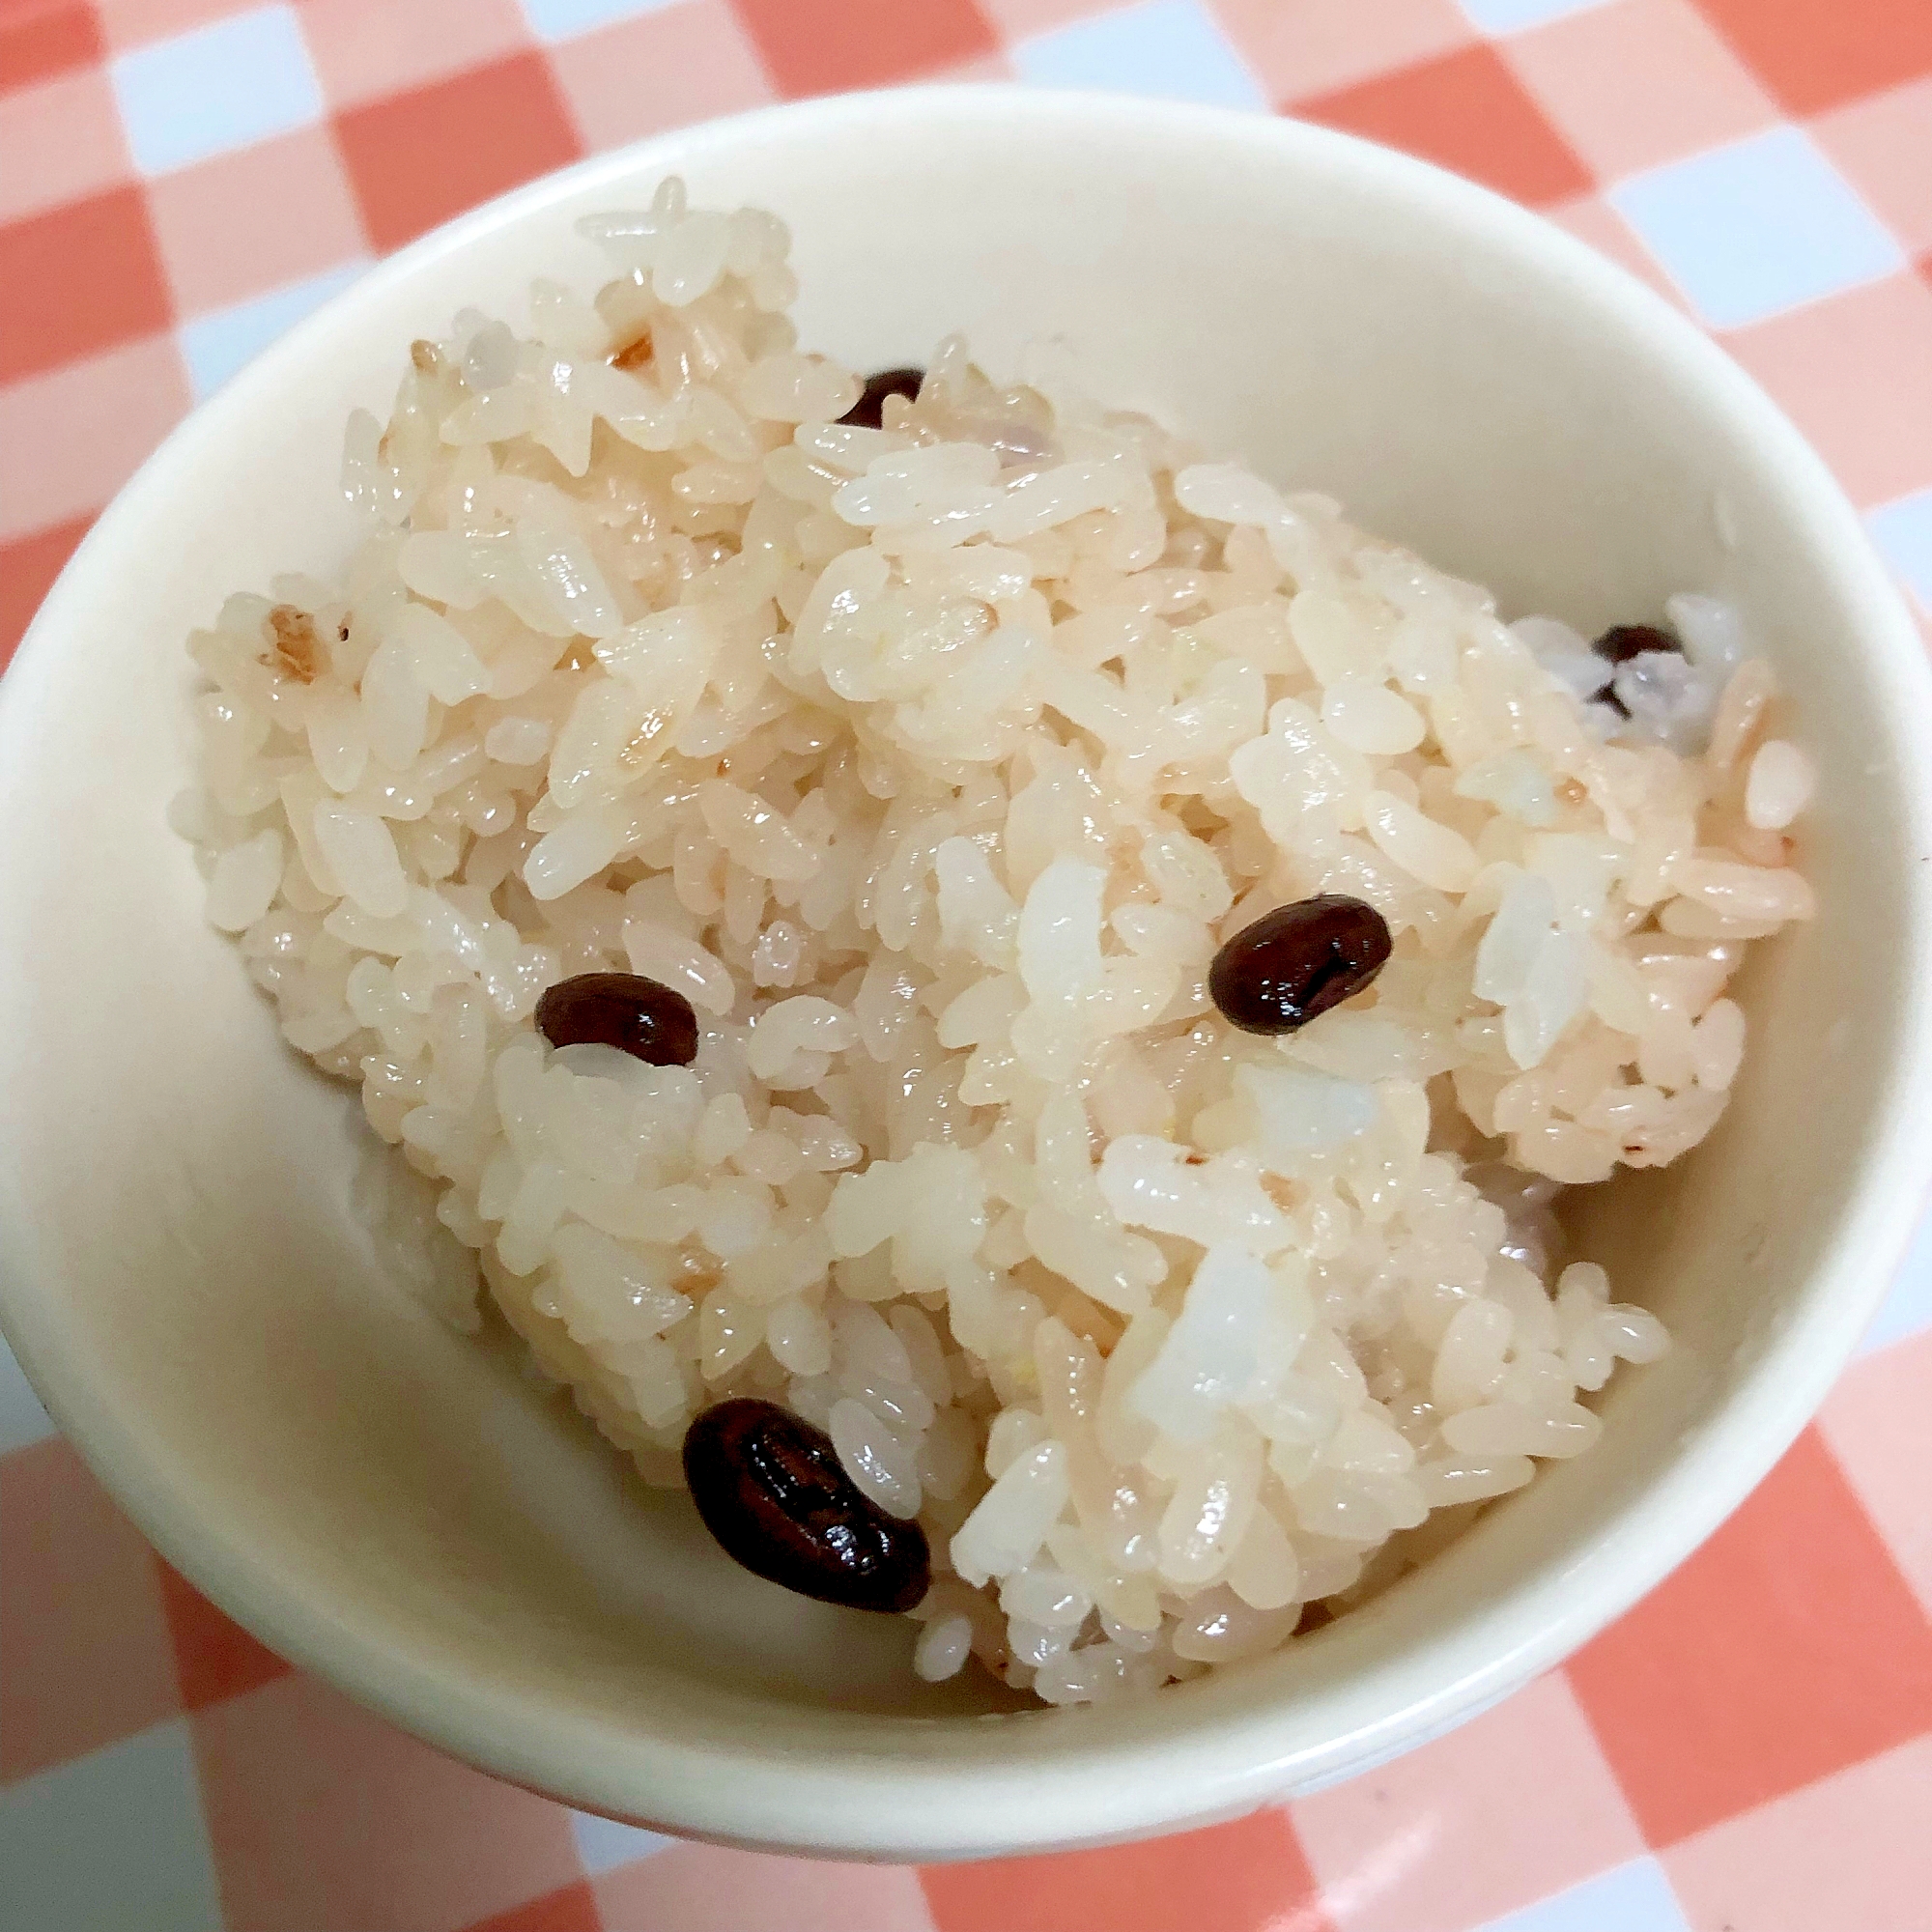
pixel 399 1507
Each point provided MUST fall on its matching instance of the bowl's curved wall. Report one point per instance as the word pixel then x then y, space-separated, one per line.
pixel 395 1506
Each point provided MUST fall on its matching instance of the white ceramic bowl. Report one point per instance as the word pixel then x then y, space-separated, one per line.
pixel 391 1505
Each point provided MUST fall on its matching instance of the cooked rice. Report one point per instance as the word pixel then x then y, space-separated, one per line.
pixel 932 763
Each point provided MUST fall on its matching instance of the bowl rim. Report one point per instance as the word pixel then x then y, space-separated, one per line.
pixel 1057 1779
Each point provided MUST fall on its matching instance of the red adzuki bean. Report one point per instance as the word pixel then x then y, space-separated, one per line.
pixel 770 1487
pixel 636 1015
pixel 1297 961
pixel 868 411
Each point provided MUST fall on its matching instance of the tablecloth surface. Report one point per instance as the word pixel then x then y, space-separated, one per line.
pixel 1750 1749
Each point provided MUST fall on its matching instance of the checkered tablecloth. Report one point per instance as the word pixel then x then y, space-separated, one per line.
pixel 1751 1750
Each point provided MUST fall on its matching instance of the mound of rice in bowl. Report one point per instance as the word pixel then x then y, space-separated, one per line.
pixel 924 764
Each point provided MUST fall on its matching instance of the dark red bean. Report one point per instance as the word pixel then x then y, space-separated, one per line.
pixel 770 1489
pixel 1297 961
pixel 622 1010
pixel 868 411
pixel 1619 645
pixel 1623 641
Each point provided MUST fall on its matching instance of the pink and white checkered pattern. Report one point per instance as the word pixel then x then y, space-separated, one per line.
pixel 1751 1750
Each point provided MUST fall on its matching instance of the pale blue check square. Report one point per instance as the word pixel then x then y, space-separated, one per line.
pixel 1171 48
pixel 1903 532
pixel 1908 1308
pixel 22 1419
pixel 564 19
pixel 223 86
pixel 1635 1897
pixel 216 344
pixel 113 1840
pixel 1755 227
pixel 604 1844
pixel 1508 16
